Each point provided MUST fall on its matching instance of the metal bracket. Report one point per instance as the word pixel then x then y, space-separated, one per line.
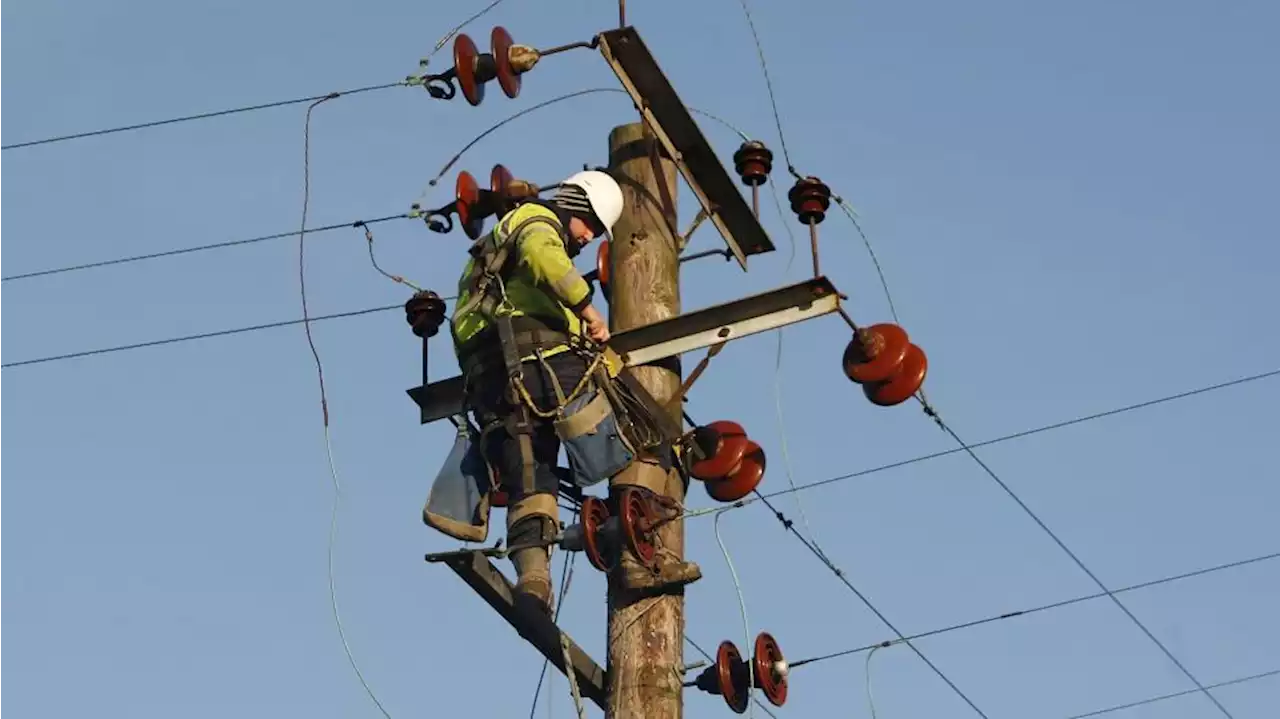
pixel 684 142
pixel 480 574
pixel 676 335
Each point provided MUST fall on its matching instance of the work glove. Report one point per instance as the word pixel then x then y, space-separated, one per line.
pixel 425 313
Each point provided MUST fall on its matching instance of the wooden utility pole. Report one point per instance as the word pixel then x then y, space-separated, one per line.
pixel 646 632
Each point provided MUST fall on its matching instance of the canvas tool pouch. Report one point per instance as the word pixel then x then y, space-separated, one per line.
pixel 593 441
pixel 458 503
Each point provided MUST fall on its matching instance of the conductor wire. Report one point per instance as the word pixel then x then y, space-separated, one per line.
pixel 324 404
pixel 368 236
pixel 871 701
pixel 204 115
pixel 929 410
pixel 546 103
pixel 773 101
pixel 447 36
pixel 853 218
pixel 789 526
pixel 742 602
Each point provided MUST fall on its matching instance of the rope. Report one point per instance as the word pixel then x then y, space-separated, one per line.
pixel 573 677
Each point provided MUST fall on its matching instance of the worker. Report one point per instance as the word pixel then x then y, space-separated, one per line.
pixel 521 282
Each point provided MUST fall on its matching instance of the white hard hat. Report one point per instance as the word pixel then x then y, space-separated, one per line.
pixel 602 192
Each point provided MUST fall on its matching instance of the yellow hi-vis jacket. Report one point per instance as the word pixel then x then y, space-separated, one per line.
pixel 541 281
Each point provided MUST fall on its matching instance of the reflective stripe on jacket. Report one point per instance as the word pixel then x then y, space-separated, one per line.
pixel 541 281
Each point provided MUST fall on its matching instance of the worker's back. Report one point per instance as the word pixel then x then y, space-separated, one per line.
pixel 539 260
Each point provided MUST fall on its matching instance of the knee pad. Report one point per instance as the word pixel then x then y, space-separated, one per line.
pixel 533 518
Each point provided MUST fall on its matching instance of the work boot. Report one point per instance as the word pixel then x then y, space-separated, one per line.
pixel 533 579
pixel 668 573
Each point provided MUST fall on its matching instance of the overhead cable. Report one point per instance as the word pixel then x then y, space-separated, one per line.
pixel 341 225
pixel 201 336
pixel 1174 695
pixel 903 638
pixel 203 116
pixel 202 248
pixel 1076 559
pixel 1040 608
pixel 324 408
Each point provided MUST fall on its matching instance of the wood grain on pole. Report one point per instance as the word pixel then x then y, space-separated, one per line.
pixel 646 633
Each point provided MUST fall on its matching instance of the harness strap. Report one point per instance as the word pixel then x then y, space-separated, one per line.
pixel 487 294
pixel 519 425
pixel 492 260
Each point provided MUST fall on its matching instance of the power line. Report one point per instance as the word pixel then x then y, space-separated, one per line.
pixel 867 602
pixel 811 485
pixel 204 335
pixel 200 248
pixel 202 116
pixel 356 224
pixel 1075 558
pixel 1162 697
pixel 1028 432
pixel 1042 608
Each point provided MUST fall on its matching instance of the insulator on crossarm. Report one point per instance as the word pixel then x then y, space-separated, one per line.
pixel 753 163
pixel 810 198
pixel 506 62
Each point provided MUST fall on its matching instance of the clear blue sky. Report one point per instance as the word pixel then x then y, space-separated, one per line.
pixel 1075 208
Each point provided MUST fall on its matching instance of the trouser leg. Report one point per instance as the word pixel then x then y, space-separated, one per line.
pixel 532 511
pixel 524 458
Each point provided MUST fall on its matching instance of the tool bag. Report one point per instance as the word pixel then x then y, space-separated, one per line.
pixel 458 503
pixel 593 439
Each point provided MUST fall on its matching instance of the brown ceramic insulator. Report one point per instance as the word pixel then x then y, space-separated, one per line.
pixel 753 163
pixel 810 199
pixel 875 353
pixel 742 480
pixel 903 384
pixel 724 444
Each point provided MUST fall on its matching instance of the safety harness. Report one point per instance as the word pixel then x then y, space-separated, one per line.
pixel 494 262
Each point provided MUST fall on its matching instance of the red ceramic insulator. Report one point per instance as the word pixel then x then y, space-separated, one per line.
pixel 810 198
pixel 753 162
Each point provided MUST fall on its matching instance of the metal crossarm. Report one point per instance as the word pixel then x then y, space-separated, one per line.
pixel 480 574
pixel 684 143
pixel 676 335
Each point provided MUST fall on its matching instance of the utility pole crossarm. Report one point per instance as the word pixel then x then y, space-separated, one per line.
pixel 683 333
pixel 480 574
pixel 683 142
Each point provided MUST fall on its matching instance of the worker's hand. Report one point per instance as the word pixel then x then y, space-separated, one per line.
pixel 598 330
